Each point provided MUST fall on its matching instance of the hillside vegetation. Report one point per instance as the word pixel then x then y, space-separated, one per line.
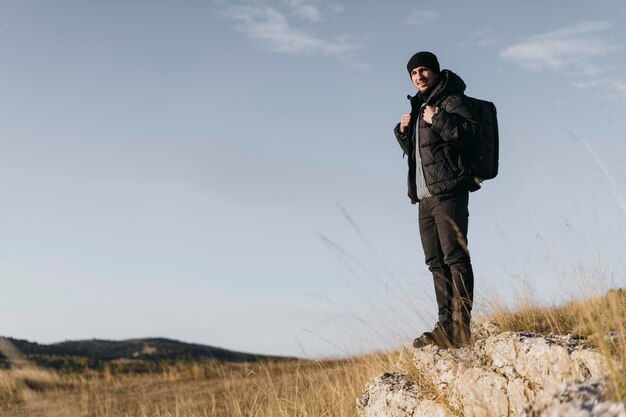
pixel 124 356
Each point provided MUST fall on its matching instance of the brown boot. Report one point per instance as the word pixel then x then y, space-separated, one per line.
pixel 440 336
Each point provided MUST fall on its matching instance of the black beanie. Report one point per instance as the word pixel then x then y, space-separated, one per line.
pixel 423 59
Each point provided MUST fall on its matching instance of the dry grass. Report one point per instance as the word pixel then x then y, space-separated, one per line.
pixel 17 385
pixel 297 388
pixel 586 318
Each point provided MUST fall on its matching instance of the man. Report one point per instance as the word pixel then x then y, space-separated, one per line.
pixel 437 136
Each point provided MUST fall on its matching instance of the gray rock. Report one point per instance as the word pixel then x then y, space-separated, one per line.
pixel 395 395
pixel 579 399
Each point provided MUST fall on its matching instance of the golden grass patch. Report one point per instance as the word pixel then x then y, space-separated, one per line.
pixel 294 388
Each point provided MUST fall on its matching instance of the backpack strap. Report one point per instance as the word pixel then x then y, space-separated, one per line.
pixel 448 100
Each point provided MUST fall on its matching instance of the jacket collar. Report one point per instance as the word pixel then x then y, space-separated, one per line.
pixel 448 83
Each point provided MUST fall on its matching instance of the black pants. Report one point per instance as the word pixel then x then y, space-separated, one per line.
pixel 443 230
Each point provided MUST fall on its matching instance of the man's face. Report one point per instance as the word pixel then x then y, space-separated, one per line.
pixel 423 78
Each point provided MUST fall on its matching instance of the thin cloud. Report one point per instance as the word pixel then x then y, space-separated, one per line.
pixel 334 8
pixel 482 38
pixel 420 17
pixel 273 31
pixel 572 46
pixel 616 86
pixel 574 50
pixel 304 10
pixel 575 30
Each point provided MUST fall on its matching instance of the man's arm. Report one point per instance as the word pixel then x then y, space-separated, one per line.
pixel 402 132
pixel 458 125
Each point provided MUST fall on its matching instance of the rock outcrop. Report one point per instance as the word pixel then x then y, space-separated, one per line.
pixel 505 374
pixel 579 399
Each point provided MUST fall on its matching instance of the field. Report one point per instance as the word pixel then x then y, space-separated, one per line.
pixel 279 388
pixel 293 388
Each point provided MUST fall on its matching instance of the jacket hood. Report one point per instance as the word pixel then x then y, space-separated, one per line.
pixel 448 83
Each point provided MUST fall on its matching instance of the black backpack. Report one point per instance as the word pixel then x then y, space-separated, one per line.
pixel 484 155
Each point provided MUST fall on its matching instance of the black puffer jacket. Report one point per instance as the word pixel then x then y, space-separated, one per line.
pixel 444 145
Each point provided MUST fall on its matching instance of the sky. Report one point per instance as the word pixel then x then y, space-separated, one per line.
pixel 225 172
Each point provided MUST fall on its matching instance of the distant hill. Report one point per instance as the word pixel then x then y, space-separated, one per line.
pixel 93 354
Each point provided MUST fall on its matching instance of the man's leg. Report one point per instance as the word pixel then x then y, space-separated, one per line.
pixel 451 216
pixel 442 333
pixel 434 254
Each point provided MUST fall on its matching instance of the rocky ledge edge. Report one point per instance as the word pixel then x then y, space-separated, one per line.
pixel 501 374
